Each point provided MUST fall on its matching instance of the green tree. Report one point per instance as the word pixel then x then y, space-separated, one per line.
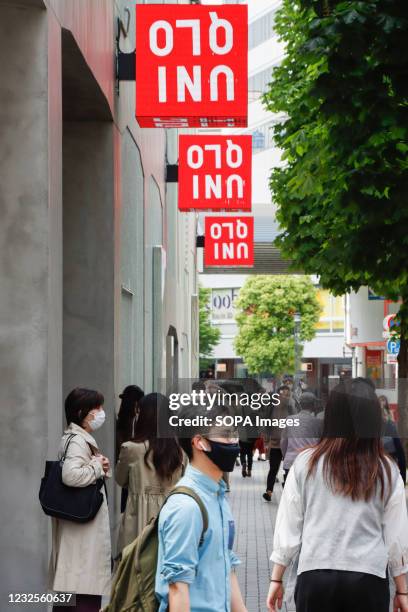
pixel 342 190
pixel 209 336
pixel 265 316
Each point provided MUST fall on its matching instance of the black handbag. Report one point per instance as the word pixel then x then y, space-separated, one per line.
pixel 77 504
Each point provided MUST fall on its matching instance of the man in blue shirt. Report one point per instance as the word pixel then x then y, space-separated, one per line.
pixel 194 577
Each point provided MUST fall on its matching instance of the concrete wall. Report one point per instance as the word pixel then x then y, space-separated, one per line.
pixel 89 264
pixel 132 264
pixel 29 312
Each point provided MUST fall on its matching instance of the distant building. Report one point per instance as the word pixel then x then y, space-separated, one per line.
pixel 365 340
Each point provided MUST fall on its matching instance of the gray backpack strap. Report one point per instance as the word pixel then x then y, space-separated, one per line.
pixel 191 493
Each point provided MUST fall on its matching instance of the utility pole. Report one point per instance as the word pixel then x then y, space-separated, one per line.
pixel 297 318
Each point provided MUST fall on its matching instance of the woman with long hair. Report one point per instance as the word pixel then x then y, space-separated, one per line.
pixel 125 425
pixel 148 466
pixel 343 511
pixel 127 415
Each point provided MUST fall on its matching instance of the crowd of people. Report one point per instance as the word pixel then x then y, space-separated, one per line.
pixel 342 513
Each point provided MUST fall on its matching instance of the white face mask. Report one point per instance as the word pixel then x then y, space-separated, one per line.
pixel 98 420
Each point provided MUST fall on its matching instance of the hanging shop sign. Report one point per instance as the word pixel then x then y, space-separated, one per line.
pixel 191 65
pixel 215 173
pixel 229 241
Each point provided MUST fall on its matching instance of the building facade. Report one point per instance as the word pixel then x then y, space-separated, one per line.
pixel 365 337
pixel 98 268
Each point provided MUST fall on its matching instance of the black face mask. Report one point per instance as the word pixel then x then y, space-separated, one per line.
pixel 223 455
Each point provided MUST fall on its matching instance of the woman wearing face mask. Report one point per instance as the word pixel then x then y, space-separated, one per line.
pixel 81 552
pixel 148 467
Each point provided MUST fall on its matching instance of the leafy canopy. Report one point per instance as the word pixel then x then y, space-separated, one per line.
pixel 265 312
pixel 342 191
pixel 209 336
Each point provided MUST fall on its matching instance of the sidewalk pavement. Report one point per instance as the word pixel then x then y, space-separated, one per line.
pixel 255 519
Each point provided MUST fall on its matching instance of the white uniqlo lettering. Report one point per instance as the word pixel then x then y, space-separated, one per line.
pixel 184 82
pixel 168 31
pixel 162 82
pixel 194 24
pixel 235 178
pixel 196 187
pixel 228 250
pixel 194 85
pixel 231 149
pixel 197 150
pixel 242 250
pixel 216 231
pixel 230 227
pixel 213 188
pixel 217 153
pixel 217 24
pixel 242 229
pixel 229 78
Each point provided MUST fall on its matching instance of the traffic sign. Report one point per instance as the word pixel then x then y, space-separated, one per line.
pixel 393 347
pixel 389 322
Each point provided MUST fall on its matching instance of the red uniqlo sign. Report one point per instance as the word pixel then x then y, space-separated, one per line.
pixel 215 173
pixel 229 241
pixel 191 65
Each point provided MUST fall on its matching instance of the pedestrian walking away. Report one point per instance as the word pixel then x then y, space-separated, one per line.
pixel 81 552
pixel 307 431
pixel 343 513
pixel 196 573
pixel 273 440
pixel 125 425
pixel 247 456
pixel 148 467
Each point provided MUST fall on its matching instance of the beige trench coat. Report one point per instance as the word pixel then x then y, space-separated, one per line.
pixel 81 552
pixel 146 491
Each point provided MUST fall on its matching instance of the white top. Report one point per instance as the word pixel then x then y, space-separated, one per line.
pixel 332 531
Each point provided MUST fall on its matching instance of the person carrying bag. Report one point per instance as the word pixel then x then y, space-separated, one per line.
pixel 78 504
pixel 81 551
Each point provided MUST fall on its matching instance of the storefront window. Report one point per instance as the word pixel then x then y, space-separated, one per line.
pixel 332 316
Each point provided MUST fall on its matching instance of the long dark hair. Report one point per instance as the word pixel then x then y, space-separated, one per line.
pixel 354 461
pixel 166 453
pixel 124 423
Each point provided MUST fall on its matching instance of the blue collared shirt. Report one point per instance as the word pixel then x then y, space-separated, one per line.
pixel 206 568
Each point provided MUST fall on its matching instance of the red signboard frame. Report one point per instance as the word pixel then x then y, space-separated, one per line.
pixel 191 65
pixel 229 241
pixel 215 173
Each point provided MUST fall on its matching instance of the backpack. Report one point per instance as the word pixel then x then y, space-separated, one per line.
pixel 133 587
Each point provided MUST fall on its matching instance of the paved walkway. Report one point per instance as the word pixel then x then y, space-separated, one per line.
pixel 255 520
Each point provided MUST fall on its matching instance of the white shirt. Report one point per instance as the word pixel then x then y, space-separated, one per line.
pixel 331 531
